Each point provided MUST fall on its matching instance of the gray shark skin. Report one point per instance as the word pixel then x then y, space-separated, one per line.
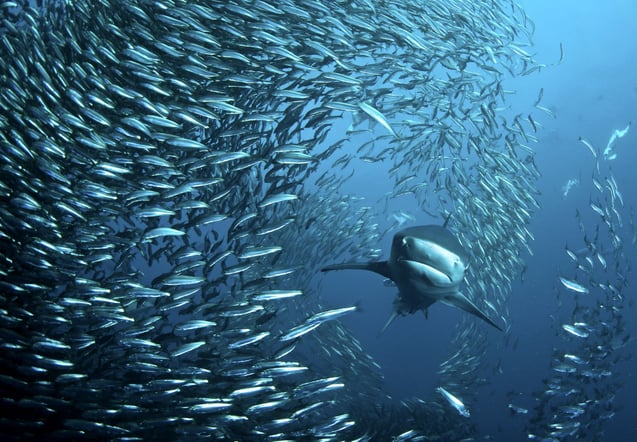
pixel 427 264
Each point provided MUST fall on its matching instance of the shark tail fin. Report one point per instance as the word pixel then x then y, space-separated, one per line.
pixel 459 300
pixel 380 267
pixel 393 316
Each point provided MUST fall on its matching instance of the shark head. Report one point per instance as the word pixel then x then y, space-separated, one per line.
pixel 428 264
pixel 426 254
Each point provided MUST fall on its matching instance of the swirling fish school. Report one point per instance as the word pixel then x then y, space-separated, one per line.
pixel 168 185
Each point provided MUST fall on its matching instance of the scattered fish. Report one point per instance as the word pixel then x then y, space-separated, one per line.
pixel 376 115
pixel 573 286
pixel 454 402
pixel 566 188
pixel 595 325
pixel 609 150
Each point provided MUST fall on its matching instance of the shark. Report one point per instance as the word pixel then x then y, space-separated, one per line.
pixel 427 264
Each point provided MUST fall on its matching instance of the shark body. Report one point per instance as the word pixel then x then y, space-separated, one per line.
pixel 427 264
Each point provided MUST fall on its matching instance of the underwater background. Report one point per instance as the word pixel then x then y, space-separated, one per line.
pixel 175 174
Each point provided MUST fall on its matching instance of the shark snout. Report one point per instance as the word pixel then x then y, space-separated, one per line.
pixel 428 272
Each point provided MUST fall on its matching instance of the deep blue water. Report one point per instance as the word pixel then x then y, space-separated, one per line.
pixel 593 93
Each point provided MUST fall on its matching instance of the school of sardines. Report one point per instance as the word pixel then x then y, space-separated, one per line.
pixel 170 184
pixel 591 321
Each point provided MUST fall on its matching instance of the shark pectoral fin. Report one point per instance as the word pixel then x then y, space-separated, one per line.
pixel 459 300
pixel 393 316
pixel 380 267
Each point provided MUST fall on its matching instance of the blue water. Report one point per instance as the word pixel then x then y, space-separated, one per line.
pixel 593 93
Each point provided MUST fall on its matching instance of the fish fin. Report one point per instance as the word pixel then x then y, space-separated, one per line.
pixel 380 267
pixel 447 220
pixel 459 300
pixel 393 316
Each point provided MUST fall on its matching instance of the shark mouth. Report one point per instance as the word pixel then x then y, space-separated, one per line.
pixel 431 274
